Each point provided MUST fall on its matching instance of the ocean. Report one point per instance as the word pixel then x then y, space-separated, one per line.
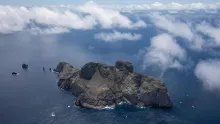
pixel 32 97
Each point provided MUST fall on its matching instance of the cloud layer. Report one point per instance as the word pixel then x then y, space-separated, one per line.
pixel 212 32
pixel 117 36
pixel 83 17
pixel 208 72
pixel 193 34
pixel 164 52
pixel 168 6
pixel 109 18
pixel 90 15
pixel 172 25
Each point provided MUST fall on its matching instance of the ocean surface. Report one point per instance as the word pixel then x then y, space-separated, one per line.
pixel 33 97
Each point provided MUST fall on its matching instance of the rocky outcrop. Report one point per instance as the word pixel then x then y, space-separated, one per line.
pixel 66 75
pixel 25 66
pixel 14 73
pixel 124 66
pixel 98 86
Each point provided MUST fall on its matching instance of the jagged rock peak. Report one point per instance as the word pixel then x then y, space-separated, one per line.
pixel 124 66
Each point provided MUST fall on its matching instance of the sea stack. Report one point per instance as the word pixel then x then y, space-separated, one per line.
pixel 14 73
pixel 25 66
pixel 98 86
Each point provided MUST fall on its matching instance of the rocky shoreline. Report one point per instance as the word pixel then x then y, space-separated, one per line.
pixel 98 86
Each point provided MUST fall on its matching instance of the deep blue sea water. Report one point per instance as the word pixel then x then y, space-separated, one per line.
pixel 33 97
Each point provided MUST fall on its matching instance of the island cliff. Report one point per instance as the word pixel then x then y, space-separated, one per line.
pixel 98 86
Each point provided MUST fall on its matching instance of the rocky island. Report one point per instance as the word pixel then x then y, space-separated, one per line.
pixel 98 86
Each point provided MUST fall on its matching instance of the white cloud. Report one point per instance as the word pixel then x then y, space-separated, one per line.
pixel 208 72
pixel 64 18
pixel 172 25
pixel 165 52
pixel 213 32
pixel 166 6
pixel 109 18
pixel 172 11
pixel 197 43
pixel 84 17
pixel 19 18
pixel 179 29
pixel 117 36
pixel 12 19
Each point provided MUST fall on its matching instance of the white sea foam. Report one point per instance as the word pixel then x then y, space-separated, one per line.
pixel 109 107
pixel 53 114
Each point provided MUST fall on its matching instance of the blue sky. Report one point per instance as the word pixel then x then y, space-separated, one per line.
pixel 55 2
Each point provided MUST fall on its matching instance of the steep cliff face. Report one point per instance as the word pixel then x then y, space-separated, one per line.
pixel 98 86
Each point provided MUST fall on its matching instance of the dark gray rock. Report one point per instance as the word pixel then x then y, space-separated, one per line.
pixel 98 86
pixel 156 98
pixel 124 66
pixel 66 75
pixel 25 66
pixel 14 73
pixel 88 71
pixel 63 65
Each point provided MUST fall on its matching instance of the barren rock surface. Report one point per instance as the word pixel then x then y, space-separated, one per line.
pixel 97 86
